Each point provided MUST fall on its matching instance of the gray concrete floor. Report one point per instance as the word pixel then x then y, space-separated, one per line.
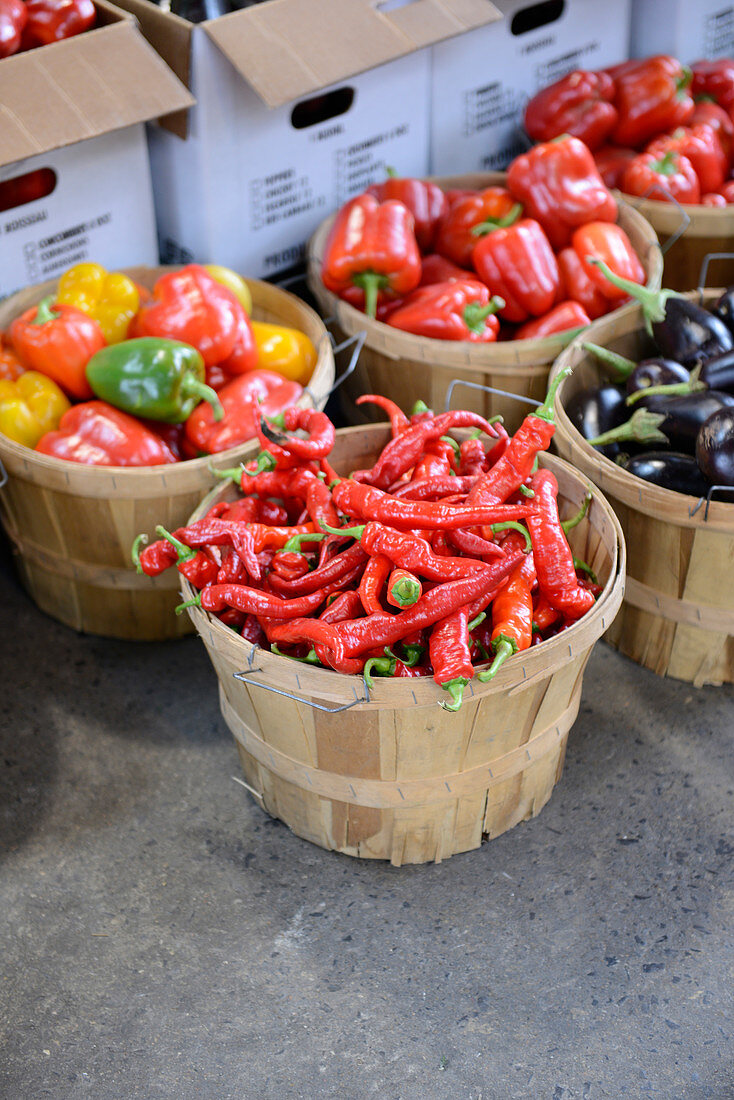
pixel 161 937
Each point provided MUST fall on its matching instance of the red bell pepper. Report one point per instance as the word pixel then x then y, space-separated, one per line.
pixel 458 310
pixel 244 354
pixel 560 186
pixel 714 198
pixel 455 238
pixel 372 245
pixel 702 147
pixel 653 96
pixel 244 400
pixel 563 317
pixel 190 305
pixel 425 200
pixel 13 16
pixel 385 305
pixel 578 285
pixel 58 341
pixel 719 120
pixel 96 434
pixel 579 104
pixel 666 177
pixel 611 161
pixel 610 243
pixel 726 193
pixel 517 263
pixel 437 269
pixel 715 79
pixel 54 20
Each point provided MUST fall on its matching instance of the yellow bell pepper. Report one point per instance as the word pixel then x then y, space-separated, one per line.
pixel 30 407
pixel 234 282
pixel 286 351
pixel 109 297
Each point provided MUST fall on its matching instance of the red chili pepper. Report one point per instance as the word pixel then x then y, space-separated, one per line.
pixel 58 341
pixel 334 570
pixel 610 243
pixel 96 434
pixel 372 245
pixel 714 78
pixel 512 613
pixel 425 200
pixel 472 458
pixel 251 629
pixel 455 238
pixel 321 435
pixel 653 96
pixel 190 305
pixel 255 602
pixel 579 104
pixel 563 317
pixel 154 559
pixel 439 269
pixel 474 545
pixel 665 177
pixel 195 565
pixel 376 572
pixel 560 186
pixel 449 649
pixel 407 550
pixel 403 588
pixel 543 614
pixel 578 284
pixel 368 503
pixel 243 399
pixel 13 17
pixel 50 21
pixel 552 555
pixel 289 564
pixel 461 309
pixel 611 161
pixel 344 605
pixel 434 484
pixel 398 419
pixel 701 146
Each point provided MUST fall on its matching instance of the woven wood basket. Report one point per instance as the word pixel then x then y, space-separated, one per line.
pixel 709 230
pixel 678 613
pixel 392 775
pixel 71 526
pixel 405 367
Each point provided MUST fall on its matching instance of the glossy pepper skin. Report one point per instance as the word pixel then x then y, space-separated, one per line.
pixel 611 161
pixel 714 78
pixel 653 96
pixel 700 145
pixel 58 341
pixel 244 398
pixel 30 407
pixel 11 367
pixel 562 318
pixel 710 114
pixel 578 284
pixel 155 378
pixel 425 200
pixel 372 245
pixel 287 351
pixel 552 555
pixel 96 434
pixel 54 20
pixel 111 298
pixel 193 307
pixel 560 186
pixel 457 310
pixel 579 104
pixel 234 283
pixel 13 16
pixel 666 177
pixel 608 242
pixel 455 238
pixel 518 264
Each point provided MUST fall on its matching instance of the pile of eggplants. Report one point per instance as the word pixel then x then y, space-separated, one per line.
pixel 669 418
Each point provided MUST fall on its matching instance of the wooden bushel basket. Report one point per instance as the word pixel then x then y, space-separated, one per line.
pixel 678 613
pixel 709 230
pixel 71 526
pixel 405 367
pixel 391 775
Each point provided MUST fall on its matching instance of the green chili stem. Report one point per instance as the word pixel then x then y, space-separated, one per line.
pixel 406 591
pixel 575 520
pixel 383 666
pixel 309 659
pixel 419 407
pixel 582 567
pixel 232 473
pixel 294 543
pixel 141 540
pixel 264 463
pixel 185 553
pixel 510 523
pixel 620 364
pixel 351 532
pixel 503 650
pixel 477 621
pixel 454 444
pixel 196 602
pixel 455 689
pixel 545 411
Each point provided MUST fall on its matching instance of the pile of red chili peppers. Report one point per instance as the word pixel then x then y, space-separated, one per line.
pixel 444 558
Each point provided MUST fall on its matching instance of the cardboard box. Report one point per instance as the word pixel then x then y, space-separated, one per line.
pixel 685 30
pixel 482 81
pixel 299 106
pixel 74 170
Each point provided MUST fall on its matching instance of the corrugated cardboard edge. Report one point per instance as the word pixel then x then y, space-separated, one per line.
pixel 103 80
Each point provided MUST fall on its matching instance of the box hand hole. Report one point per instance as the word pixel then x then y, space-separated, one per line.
pixel 321 108
pixel 29 187
pixel 536 15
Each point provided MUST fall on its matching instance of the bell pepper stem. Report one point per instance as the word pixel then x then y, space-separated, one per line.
pixel 642 427
pixel 371 283
pixel 44 313
pixel 665 166
pixel 475 315
pixel 140 540
pixel 652 301
pixel 381 666
pixel 294 543
pixel 192 386
pixel 488 226
pixel 185 553
pixel 455 689
pixel 196 602
pixel 620 364
pixel 510 523
pixel 504 649
pixel 672 389
pixel 575 520
pixel 545 411
pixel 406 591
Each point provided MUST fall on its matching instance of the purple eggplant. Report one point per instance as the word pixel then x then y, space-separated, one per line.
pixel 718 373
pixel 669 470
pixel 684 414
pixel 596 410
pixel 723 308
pixel 656 372
pixel 715 447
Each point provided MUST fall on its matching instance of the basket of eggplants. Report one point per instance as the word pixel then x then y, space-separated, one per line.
pixel 667 415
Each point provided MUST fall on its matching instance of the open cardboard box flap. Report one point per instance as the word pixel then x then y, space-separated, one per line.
pixel 286 49
pixel 102 80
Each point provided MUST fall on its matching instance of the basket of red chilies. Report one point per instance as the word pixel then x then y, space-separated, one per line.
pixel 482 278
pixel 413 565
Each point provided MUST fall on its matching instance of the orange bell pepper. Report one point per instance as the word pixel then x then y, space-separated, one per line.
pixel 58 342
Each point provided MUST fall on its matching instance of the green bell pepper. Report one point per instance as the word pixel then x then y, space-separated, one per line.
pixel 152 377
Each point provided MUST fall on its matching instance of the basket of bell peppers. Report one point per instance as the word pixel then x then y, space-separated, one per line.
pixel 28 24
pixel 137 375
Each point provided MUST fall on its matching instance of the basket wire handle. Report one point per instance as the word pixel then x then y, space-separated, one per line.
pixel 358 343
pixel 685 217
pixel 707 498
pixel 703 273
pixel 3 475
pixel 487 389
pixel 245 678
